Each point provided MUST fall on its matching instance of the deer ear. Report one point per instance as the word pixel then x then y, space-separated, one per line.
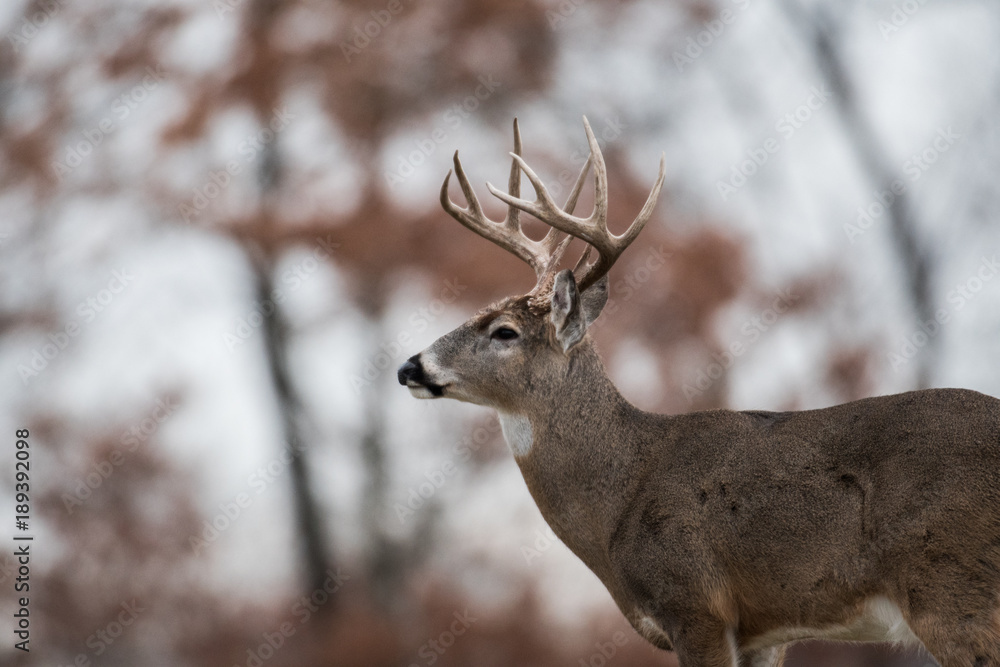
pixel 593 299
pixel 567 311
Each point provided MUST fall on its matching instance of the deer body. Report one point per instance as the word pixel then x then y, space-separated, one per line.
pixel 776 527
pixel 725 535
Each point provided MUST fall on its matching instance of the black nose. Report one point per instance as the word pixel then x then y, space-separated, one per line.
pixel 410 370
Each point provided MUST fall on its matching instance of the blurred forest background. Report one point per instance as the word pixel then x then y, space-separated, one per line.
pixel 220 235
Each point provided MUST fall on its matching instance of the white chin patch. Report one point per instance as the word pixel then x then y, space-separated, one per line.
pixel 420 391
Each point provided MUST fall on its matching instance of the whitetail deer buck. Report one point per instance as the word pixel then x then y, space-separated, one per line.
pixel 727 535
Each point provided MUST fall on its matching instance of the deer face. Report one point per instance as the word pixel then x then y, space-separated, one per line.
pixel 511 353
pixel 518 351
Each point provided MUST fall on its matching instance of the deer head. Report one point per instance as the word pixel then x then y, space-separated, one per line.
pixel 516 352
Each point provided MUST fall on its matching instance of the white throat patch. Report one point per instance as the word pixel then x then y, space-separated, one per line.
pixel 517 432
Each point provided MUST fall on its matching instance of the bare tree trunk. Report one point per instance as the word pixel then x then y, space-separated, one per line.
pixel 386 557
pixel 390 559
pixel 276 341
pixel 307 514
pixel 915 258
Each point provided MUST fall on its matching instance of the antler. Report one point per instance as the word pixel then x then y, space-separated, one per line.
pixel 593 229
pixel 543 256
pixel 507 233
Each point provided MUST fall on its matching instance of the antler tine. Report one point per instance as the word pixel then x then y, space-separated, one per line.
pixel 513 218
pixel 571 204
pixel 583 259
pixel 593 229
pixel 574 194
pixel 617 244
pixel 507 233
pixel 553 248
pixel 600 214
pixel 647 209
pixel 560 249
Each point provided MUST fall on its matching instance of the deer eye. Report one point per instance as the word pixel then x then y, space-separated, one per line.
pixel 504 333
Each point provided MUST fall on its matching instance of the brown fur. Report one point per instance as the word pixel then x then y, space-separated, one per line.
pixel 717 532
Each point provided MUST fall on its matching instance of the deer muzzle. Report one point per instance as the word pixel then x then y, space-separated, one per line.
pixel 411 374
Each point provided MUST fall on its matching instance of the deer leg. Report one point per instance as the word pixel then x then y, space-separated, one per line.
pixel 706 643
pixel 767 657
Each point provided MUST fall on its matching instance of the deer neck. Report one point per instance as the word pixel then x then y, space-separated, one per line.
pixel 575 455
